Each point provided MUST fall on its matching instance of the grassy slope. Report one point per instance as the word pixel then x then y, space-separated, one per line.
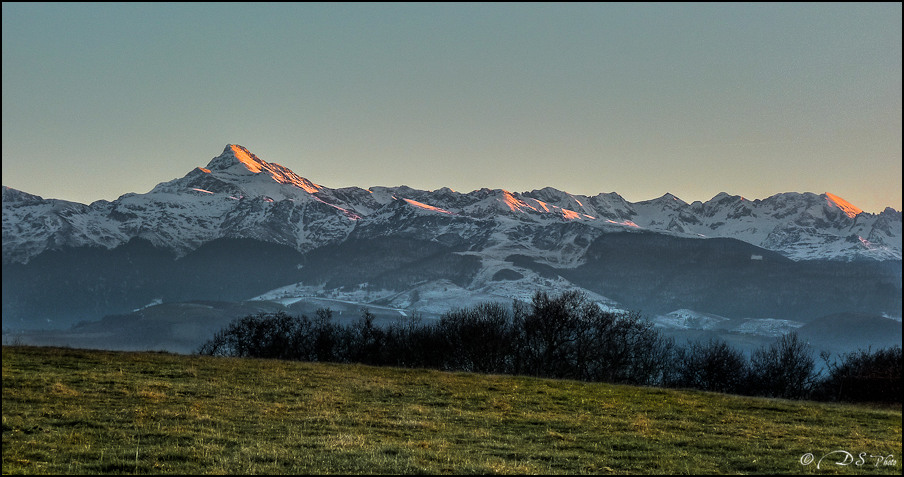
pixel 81 411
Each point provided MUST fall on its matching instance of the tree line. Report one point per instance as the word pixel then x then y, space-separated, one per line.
pixel 566 337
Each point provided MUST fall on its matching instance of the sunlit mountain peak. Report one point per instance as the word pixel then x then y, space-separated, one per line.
pixel 245 157
pixel 849 209
pixel 234 155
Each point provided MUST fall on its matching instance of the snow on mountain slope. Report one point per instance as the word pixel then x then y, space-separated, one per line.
pixel 433 298
pixel 692 320
pixel 32 224
pixel 235 195
pixel 685 319
pixel 767 327
pixel 408 250
pixel 801 226
pixel 240 195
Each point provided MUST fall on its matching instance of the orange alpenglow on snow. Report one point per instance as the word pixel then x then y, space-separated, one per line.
pixel 242 155
pixel 279 173
pixel 518 205
pixel 427 207
pixel 515 204
pixel 541 204
pixel 846 207
pixel 570 214
pixel 626 223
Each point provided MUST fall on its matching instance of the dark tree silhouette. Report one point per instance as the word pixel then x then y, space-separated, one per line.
pixel 714 366
pixel 864 376
pixel 564 336
pixel 786 369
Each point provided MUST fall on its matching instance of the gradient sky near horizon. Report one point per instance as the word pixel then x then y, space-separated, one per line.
pixel 639 99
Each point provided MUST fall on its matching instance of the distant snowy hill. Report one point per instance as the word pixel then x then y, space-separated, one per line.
pixel 241 228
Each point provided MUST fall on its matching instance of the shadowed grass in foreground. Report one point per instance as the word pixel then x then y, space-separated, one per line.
pixel 87 412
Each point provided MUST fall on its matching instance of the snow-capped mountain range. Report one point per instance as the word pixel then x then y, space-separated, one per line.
pixel 241 233
pixel 238 195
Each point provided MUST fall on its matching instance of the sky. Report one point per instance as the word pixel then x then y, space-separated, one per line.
pixel 640 99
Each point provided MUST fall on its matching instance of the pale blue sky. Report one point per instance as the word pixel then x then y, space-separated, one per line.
pixel 639 99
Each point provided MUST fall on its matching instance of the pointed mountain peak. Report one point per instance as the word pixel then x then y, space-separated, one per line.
pixel 239 160
pixel 233 155
pixel 245 157
pixel 849 209
pixel 667 199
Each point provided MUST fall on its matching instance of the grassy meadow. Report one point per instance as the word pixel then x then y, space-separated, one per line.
pixel 72 411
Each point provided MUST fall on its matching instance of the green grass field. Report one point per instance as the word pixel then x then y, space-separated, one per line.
pixel 76 411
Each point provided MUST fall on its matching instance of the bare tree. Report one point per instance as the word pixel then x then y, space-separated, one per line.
pixel 786 369
pixel 864 376
pixel 714 366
